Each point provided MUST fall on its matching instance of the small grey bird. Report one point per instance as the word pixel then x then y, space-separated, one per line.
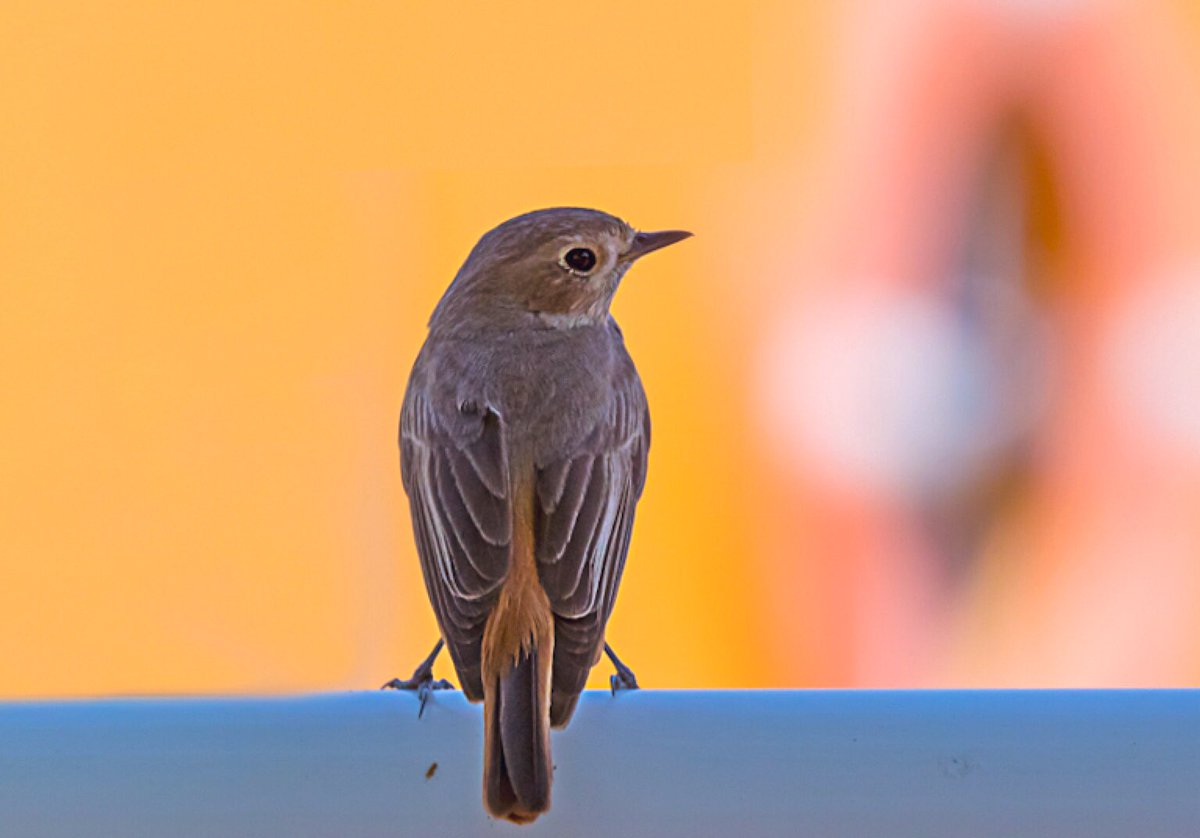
pixel 523 442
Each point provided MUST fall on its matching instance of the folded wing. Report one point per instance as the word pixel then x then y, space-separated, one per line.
pixel 583 520
pixel 454 467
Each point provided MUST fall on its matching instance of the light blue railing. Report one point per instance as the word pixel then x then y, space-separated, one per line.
pixel 968 764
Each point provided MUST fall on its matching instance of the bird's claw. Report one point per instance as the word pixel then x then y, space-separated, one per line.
pixel 623 678
pixel 423 687
pixel 422 680
pixel 619 681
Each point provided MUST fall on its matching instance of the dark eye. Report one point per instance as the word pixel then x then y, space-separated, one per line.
pixel 580 259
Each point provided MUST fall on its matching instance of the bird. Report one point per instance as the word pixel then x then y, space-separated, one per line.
pixel 524 436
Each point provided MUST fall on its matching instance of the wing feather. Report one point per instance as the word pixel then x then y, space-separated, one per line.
pixel 559 519
pixel 452 464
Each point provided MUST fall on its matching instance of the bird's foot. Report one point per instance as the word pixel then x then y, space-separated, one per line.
pixel 623 678
pixel 422 680
pixel 423 686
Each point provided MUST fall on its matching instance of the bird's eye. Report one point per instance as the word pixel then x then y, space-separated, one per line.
pixel 580 259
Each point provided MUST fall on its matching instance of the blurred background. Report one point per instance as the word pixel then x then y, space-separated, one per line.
pixel 925 384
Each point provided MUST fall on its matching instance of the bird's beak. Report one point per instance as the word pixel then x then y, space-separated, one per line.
pixel 644 243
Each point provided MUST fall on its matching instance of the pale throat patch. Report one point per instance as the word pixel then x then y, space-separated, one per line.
pixel 566 320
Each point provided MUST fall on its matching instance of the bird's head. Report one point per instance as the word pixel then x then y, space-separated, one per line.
pixel 556 268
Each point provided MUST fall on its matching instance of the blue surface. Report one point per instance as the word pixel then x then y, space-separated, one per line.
pixel 821 763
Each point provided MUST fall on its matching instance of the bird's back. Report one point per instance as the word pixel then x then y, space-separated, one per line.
pixel 547 386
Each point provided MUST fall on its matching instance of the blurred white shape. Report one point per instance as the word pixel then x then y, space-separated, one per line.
pixel 1152 360
pixel 891 391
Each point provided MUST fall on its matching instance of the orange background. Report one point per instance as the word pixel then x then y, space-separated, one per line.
pixel 223 226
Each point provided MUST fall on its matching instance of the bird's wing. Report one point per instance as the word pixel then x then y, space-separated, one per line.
pixel 454 467
pixel 583 516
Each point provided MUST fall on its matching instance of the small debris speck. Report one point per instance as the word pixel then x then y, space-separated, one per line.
pixel 431 771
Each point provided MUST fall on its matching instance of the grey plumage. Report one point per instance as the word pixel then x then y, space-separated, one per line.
pixel 525 412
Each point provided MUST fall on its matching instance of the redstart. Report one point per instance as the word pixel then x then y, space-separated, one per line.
pixel 523 443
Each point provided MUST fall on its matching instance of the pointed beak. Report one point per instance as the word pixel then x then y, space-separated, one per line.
pixel 644 243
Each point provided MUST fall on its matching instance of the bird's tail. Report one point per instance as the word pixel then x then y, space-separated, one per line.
pixel 517 653
pixel 517 767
